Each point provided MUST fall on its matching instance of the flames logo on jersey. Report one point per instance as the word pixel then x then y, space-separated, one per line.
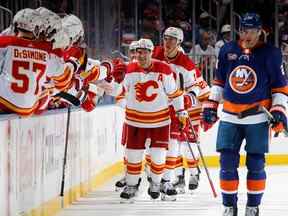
pixel 142 91
pixel 243 79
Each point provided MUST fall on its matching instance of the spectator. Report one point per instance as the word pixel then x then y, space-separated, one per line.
pixel 204 56
pixel 204 25
pixel 151 26
pixel 225 37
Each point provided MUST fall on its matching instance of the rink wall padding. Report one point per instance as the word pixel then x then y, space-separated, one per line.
pixel 32 149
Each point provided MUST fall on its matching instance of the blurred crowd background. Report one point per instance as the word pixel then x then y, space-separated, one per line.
pixel 112 24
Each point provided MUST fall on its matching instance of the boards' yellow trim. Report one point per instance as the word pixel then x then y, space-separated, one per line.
pixel 52 207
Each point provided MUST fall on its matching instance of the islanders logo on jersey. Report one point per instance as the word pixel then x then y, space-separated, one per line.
pixel 243 79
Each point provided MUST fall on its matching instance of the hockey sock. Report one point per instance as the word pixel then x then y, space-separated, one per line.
pixel 256 178
pixel 158 157
pixel 171 158
pixel 191 162
pixel 134 165
pixel 229 179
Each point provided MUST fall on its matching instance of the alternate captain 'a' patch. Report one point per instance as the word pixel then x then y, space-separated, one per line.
pixel 243 79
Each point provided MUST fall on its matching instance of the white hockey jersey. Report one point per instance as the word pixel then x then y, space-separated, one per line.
pixel 192 77
pixel 147 92
pixel 23 70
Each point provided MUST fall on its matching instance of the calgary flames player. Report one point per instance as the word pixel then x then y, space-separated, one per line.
pixel 119 75
pixel 196 90
pixel 148 84
pixel 26 61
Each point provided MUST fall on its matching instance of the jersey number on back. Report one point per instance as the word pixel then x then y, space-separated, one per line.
pixel 19 73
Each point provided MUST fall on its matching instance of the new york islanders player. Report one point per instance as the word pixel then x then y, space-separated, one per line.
pixel 249 74
pixel 148 85
pixel 196 90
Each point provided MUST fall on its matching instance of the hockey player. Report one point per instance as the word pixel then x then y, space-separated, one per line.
pixel 196 90
pixel 249 75
pixel 25 62
pixel 148 84
pixel 119 75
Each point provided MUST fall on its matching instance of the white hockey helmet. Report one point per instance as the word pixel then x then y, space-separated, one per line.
pixel 174 32
pixel 145 44
pixel 134 45
pixel 60 40
pixel 226 28
pixel 74 28
pixel 52 22
pixel 28 20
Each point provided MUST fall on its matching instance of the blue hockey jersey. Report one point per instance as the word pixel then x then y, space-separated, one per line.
pixel 246 78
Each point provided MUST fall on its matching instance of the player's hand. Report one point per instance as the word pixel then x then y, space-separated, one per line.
pixel 279 124
pixel 88 97
pixel 119 70
pixel 183 117
pixel 209 114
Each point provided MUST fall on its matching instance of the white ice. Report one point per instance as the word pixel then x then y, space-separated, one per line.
pixel 106 202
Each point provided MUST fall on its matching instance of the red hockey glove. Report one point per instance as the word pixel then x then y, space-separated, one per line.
pixel 119 70
pixel 209 114
pixel 89 100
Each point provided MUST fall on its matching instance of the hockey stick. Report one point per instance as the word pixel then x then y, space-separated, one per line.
pixel 272 120
pixel 203 161
pixel 181 80
pixel 65 154
pixel 192 153
pixel 69 97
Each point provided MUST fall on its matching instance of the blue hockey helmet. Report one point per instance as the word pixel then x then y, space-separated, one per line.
pixel 251 21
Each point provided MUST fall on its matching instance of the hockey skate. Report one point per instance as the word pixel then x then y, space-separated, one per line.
pixel 193 182
pixel 154 190
pixel 120 184
pixel 180 184
pixel 252 211
pixel 168 192
pixel 128 194
pixel 230 211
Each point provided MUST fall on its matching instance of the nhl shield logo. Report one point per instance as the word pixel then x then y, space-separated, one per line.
pixel 243 79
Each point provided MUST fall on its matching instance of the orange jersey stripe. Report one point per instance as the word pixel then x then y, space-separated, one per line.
pixel 237 108
pixel 91 75
pixel 256 185
pixel 175 94
pixel 229 185
pixel 6 105
pixel 203 97
pixel 283 90
pixel 63 76
pixel 147 121
pixel 164 111
pixel 134 164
